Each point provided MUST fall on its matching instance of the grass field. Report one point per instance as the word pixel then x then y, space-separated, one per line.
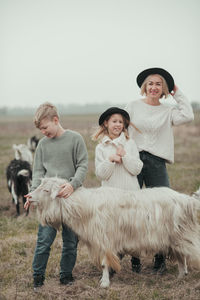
pixel 18 235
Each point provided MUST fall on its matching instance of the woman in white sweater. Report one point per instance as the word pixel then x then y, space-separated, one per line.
pixel 117 161
pixel 155 120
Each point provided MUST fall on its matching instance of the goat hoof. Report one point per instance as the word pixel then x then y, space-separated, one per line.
pixel 181 276
pixel 104 284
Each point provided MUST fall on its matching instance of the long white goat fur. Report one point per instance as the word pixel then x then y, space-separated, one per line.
pixel 111 221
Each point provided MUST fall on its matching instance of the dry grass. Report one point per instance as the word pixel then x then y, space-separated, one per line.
pixel 18 235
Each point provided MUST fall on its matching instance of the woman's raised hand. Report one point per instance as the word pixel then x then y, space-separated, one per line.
pixel 174 90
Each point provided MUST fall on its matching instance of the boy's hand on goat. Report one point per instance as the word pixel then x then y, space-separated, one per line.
pixel 27 203
pixel 66 190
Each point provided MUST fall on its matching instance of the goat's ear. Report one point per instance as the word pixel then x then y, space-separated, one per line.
pixel 14 146
pixel 196 194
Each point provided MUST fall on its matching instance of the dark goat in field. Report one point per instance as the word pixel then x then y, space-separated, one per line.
pixel 19 175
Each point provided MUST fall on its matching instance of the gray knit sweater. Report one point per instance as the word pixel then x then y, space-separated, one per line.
pixel 64 156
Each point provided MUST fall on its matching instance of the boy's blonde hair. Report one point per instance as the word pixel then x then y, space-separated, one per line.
pixel 165 90
pixel 45 111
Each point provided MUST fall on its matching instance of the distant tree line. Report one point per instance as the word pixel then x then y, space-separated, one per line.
pixel 71 109
pixel 63 109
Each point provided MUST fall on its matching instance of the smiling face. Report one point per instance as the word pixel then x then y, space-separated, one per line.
pixel 49 128
pixel 114 125
pixel 154 87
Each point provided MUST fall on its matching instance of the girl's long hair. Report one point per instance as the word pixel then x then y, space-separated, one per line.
pixel 102 130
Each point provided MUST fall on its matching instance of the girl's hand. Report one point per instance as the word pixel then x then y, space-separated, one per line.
pixel 66 190
pixel 115 158
pixel 174 90
pixel 120 151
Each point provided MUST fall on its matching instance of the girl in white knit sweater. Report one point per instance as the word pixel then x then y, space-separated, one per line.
pixel 117 161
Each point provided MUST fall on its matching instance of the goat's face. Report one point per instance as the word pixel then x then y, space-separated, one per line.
pixel 48 204
pixel 48 188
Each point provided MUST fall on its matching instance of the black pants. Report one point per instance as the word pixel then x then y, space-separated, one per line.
pixel 154 172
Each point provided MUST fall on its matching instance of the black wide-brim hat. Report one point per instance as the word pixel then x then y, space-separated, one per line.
pixel 111 111
pixel 166 75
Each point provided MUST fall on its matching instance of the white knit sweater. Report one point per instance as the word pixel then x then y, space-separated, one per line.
pixel 155 124
pixel 113 174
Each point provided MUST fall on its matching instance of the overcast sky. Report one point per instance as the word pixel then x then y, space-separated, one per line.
pixel 90 51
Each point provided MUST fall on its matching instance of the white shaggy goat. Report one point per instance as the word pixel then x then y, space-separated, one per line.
pixel 197 194
pixel 23 152
pixel 111 221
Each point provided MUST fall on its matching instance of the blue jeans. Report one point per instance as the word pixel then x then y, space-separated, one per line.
pixel 46 236
pixel 154 172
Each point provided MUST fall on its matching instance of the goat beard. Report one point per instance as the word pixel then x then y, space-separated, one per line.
pixel 51 216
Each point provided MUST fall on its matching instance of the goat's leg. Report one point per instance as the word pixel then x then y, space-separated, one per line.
pixel 14 196
pixel 105 282
pixel 185 266
pixel 17 208
pixel 182 267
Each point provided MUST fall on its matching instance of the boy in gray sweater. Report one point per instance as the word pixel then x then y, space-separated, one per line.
pixel 60 153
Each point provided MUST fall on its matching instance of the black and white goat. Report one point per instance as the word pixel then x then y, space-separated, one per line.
pixel 19 175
